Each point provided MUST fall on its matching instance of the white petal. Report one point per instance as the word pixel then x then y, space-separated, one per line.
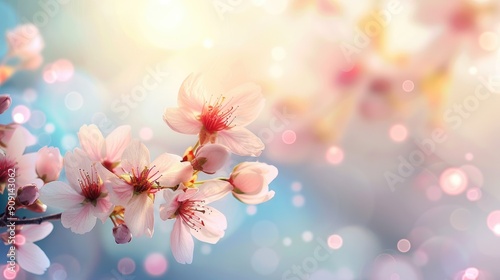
pixel 214 225
pixel 75 163
pixel 33 233
pixel 170 206
pixel 241 141
pixel 60 195
pixel 213 190
pixel 103 208
pixel 181 243
pixel 119 192
pixel 248 101
pixel 92 141
pixel 116 142
pixel 32 259
pixel 182 120
pixel 254 199
pixel 192 93
pixel 139 215
pixel 79 219
pixel 172 170
pixel 135 156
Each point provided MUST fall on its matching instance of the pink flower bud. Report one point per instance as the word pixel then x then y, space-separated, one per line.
pixel 251 180
pixel 49 164
pixel 122 234
pixel 5 102
pixel 27 195
pixel 210 158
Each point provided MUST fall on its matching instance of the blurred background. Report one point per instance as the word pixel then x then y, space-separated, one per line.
pixel 380 115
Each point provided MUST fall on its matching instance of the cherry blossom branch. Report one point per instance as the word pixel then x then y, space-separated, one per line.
pixel 5 221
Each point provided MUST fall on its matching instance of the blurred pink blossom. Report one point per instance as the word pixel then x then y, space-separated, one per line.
pixel 25 42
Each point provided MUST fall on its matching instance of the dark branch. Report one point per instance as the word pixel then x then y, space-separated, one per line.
pixel 30 221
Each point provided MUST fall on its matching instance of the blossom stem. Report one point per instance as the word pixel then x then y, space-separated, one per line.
pixel 30 221
pixel 196 145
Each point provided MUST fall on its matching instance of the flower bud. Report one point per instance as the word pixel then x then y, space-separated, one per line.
pixel 250 181
pixel 49 164
pixel 210 158
pixel 122 234
pixel 5 102
pixel 27 195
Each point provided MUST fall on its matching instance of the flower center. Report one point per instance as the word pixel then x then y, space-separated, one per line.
pixel 216 117
pixel 145 180
pixel 90 185
pixel 189 211
pixel 109 165
pixel 463 20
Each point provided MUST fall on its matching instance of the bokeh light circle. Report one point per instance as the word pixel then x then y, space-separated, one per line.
pixel 73 101
pixel 453 181
pixel 251 210
pixel 493 222
pixel 335 241
pixel 408 86
pixel 206 249
pixel 334 155
pixel 298 200
pixel 287 241
pixel 474 194
pixel 398 132
pixel 289 137
pixel 146 133
pixel 404 245
pixel 21 114
pixel 307 236
pixel 156 264
pixel 265 261
pixel 126 266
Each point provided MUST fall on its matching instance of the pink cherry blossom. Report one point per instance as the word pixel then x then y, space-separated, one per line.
pixel 49 164
pixel 25 41
pixel 107 151
pixel 210 157
pixel 138 181
pixel 28 255
pixel 251 180
pixel 193 217
pixel 14 163
pixel 218 118
pixel 84 199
